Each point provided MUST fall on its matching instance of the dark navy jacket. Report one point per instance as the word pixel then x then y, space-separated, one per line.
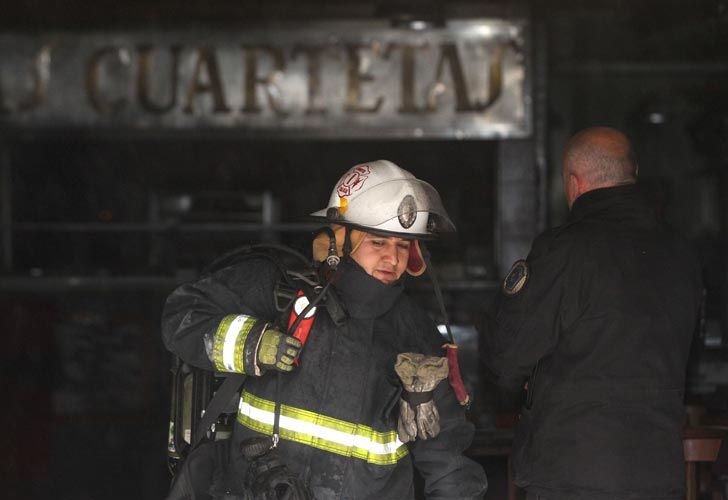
pixel 601 329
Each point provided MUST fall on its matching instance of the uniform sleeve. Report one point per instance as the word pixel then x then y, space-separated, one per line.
pixel 209 323
pixel 523 325
pixel 447 472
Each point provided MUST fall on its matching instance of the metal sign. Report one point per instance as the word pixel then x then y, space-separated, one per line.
pixel 359 79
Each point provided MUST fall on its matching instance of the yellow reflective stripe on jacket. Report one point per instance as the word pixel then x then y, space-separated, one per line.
pixel 227 349
pixel 322 432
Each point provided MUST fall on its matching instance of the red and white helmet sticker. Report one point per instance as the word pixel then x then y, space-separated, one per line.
pixel 353 181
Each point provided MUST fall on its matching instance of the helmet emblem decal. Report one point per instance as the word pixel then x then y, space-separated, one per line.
pixel 407 211
pixel 353 181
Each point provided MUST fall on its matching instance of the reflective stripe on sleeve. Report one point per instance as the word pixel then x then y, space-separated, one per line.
pixel 227 351
pixel 322 432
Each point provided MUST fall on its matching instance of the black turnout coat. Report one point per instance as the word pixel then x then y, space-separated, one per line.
pixel 344 387
pixel 599 321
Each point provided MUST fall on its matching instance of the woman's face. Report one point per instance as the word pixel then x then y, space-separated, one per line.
pixel 383 257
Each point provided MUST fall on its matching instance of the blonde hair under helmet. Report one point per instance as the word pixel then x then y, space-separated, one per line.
pixel 415 265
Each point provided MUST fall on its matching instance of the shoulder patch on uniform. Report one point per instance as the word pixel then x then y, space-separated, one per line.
pixel 516 278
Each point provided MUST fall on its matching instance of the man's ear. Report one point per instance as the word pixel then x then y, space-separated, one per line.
pixel 572 189
pixel 577 187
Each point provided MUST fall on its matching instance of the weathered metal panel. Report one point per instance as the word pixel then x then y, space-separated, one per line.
pixel 355 79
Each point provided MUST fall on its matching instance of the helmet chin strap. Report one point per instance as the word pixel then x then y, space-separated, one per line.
pixel 347 241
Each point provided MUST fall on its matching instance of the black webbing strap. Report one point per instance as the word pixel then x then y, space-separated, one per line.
pixel 277 410
pixel 279 375
pixel 416 398
pixel 217 405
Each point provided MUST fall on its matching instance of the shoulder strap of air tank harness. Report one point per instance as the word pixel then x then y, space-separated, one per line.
pixel 217 405
pixel 451 348
pixel 233 381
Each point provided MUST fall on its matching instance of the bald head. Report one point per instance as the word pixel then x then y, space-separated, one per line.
pixel 595 158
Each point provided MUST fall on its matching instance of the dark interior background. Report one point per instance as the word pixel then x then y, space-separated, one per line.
pixel 101 228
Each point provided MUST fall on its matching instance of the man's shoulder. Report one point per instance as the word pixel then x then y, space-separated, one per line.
pixel 558 238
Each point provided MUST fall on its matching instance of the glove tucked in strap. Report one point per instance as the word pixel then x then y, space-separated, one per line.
pixel 418 415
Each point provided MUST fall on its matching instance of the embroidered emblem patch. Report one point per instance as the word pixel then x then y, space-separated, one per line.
pixel 516 279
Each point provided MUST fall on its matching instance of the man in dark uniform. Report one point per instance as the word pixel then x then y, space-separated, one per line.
pixel 598 322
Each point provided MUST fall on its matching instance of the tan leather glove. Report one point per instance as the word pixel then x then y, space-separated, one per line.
pixel 418 415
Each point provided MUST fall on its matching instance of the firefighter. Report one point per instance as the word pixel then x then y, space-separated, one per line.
pixel 599 319
pixel 332 397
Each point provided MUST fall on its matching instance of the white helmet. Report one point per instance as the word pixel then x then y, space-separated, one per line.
pixel 379 196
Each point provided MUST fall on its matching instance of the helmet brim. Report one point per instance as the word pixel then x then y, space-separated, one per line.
pixel 410 208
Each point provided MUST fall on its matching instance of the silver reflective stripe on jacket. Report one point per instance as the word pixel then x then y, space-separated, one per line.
pixel 227 351
pixel 322 432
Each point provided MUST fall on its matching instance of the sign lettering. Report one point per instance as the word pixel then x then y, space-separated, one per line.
pixel 468 79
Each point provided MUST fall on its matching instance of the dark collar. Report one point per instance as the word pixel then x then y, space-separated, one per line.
pixel 364 296
pixel 627 197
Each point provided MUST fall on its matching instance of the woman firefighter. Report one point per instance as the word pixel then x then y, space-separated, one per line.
pixel 346 390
